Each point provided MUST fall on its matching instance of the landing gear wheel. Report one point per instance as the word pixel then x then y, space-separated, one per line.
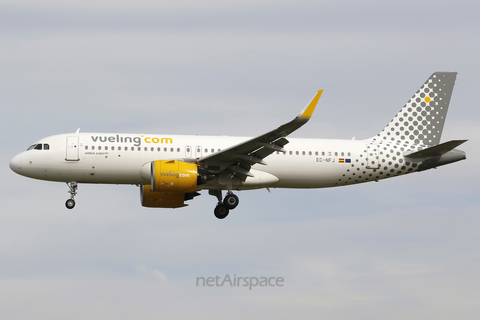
pixel 70 203
pixel 231 201
pixel 221 211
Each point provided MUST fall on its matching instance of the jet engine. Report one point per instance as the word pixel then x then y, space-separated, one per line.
pixel 172 182
pixel 152 199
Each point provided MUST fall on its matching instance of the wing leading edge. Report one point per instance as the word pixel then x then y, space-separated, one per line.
pixel 238 159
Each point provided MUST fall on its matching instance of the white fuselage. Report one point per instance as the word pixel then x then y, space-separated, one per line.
pixel 170 169
pixel 125 159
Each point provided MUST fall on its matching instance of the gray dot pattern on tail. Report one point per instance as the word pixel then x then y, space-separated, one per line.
pixel 422 118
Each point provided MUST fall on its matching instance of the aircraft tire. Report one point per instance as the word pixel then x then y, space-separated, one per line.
pixel 221 211
pixel 70 203
pixel 231 201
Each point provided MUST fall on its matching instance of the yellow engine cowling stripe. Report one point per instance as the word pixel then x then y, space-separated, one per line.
pixel 174 176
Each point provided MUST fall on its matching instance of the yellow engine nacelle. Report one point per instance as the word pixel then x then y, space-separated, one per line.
pixel 153 199
pixel 172 183
pixel 174 176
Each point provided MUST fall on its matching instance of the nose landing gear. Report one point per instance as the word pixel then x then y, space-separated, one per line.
pixel 70 203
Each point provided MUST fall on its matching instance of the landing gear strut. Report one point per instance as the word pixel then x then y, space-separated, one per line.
pixel 70 203
pixel 223 207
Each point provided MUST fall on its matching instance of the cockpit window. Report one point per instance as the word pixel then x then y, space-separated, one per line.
pixel 38 146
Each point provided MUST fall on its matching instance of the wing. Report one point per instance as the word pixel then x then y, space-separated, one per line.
pixel 238 159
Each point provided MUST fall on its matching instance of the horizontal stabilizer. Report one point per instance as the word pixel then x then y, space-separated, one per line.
pixel 435 151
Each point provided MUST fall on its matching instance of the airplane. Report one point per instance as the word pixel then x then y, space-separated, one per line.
pixel 172 169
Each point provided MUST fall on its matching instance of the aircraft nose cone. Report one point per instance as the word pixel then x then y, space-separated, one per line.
pixel 16 163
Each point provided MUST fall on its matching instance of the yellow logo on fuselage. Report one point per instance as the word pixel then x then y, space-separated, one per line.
pixel 137 141
pixel 158 140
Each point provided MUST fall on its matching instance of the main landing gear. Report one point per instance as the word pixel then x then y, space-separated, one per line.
pixel 70 203
pixel 223 207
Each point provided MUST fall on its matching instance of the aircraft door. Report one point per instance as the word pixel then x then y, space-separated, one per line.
pixel 72 149
pixel 372 157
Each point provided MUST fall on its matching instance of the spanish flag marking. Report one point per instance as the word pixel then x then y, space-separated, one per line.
pixel 341 160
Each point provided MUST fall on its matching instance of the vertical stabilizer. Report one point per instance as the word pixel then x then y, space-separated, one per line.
pixel 422 118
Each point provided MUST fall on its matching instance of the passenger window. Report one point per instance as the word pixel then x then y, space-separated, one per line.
pixel 348 154
pixel 113 148
pixel 343 154
pixel 316 153
pixel 145 148
pixel 178 149
pixel 126 148
pixel 171 150
pixel 336 154
pixel 86 147
pixel 139 149
pixel 309 153
pixel 165 149
pixel 133 148
pixel 206 150
pixel 290 152
pixel 158 149
pixel 323 153
pixel 93 147
pixel 213 150
pixel 38 146
pixel 303 153
pixel 296 153
pixel 119 148
pixel 153 149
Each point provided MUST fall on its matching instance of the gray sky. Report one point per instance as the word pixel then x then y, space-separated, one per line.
pixel 402 248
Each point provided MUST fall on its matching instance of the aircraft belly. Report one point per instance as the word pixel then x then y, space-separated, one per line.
pixel 89 170
pixel 305 174
pixel 260 179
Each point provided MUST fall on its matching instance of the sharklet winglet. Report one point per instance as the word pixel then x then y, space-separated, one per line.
pixel 308 110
